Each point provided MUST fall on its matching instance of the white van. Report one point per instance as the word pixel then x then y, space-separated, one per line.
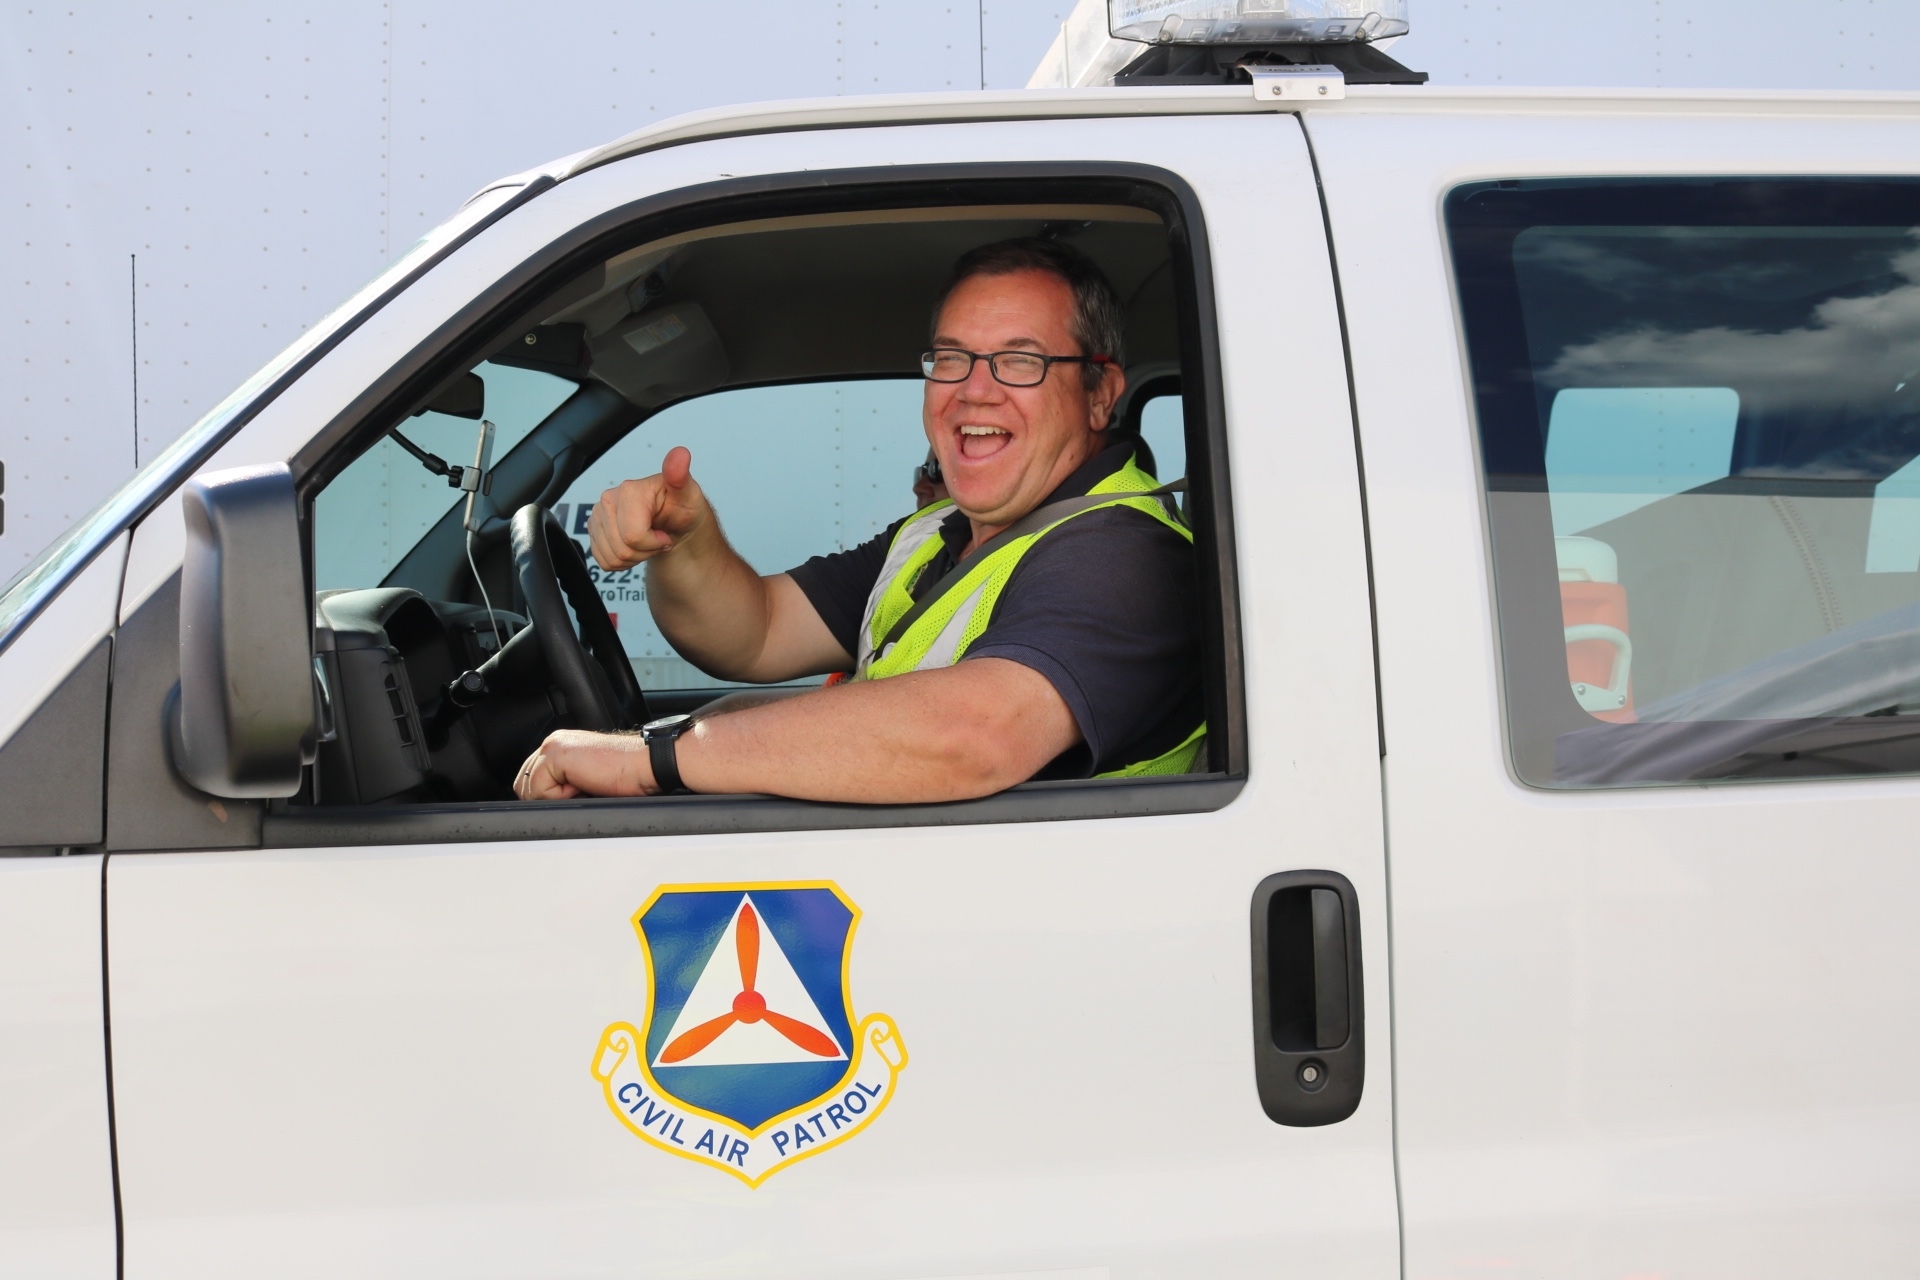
pixel 1544 906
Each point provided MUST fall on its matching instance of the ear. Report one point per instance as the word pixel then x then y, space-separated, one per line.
pixel 1100 400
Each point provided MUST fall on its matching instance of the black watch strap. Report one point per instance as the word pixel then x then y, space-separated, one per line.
pixel 662 739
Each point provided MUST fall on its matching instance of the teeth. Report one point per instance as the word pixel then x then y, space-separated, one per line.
pixel 971 430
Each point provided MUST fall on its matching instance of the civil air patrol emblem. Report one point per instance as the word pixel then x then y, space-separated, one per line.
pixel 749 1057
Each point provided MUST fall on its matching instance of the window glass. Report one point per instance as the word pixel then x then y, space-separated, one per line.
pixel 385 501
pixel 1699 407
pixel 1612 450
pixel 793 471
pixel 1163 425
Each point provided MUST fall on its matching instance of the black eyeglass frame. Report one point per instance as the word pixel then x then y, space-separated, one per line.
pixel 993 364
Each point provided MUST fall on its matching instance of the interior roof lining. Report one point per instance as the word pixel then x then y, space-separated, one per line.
pixel 631 264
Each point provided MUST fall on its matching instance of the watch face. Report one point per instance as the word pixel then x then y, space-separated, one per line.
pixel 664 724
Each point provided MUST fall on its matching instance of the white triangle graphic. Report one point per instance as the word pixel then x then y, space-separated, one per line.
pixel 712 997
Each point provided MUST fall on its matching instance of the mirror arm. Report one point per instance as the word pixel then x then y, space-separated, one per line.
pixel 456 476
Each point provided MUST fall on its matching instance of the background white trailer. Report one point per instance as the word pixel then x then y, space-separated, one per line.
pixel 196 183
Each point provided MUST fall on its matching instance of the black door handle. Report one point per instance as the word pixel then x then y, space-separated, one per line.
pixel 1309 1033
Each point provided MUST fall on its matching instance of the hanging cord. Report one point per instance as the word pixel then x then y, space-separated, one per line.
pixel 472 480
pixel 498 643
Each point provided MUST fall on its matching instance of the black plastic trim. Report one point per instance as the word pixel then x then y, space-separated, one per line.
pixel 53 769
pixel 1169 65
pixel 734 815
pixel 1285 1095
pixel 148 805
pixel 242 725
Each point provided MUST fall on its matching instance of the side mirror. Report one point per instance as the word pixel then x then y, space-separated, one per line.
pixel 242 724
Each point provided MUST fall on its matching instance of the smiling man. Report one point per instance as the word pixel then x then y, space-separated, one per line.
pixel 1040 623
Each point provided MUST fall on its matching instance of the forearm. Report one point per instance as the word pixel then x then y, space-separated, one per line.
pixel 953 734
pixel 710 605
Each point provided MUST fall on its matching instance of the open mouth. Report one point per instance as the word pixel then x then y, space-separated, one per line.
pixel 978 441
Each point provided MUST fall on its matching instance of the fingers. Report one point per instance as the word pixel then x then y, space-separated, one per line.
pixel 621 529
pixel 574 762
pixel 640 519
pixel 543 777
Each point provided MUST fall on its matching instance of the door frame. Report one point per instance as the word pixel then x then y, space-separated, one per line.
pixel 510 300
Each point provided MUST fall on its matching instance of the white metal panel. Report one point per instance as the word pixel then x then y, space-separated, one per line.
pixel 262 162
pixel 376 1060
pixel 245 175
pixel 1805 44
pixel 56 1173
pixel 1638 1032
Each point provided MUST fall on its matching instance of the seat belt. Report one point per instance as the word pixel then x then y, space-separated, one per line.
pixel 1032 522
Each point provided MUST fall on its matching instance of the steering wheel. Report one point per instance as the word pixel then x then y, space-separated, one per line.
pixel 591 668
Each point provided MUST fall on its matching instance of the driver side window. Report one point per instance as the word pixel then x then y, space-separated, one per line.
pixel 451 640
pixel 793 471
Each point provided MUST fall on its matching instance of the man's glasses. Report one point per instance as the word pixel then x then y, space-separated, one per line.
pixel 1010 368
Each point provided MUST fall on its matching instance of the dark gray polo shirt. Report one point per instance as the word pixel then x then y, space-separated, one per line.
pixel 1106 607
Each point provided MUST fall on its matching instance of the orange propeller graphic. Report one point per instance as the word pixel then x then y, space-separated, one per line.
pixel 748 1006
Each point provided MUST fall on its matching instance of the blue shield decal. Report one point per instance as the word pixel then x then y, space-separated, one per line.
pixel 751 1057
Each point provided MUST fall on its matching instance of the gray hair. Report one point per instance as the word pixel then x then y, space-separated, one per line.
pixel 1097 315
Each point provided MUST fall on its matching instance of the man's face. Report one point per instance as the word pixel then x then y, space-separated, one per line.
pixel 1004 449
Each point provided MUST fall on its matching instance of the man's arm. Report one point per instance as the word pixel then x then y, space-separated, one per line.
pixel 953 734
pixel 708 602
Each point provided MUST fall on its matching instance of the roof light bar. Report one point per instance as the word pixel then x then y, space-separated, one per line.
pixel 1256 21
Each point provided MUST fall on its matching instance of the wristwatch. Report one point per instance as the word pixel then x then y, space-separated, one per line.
pixel 660 736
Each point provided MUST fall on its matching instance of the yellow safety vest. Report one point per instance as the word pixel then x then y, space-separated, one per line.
pixel 942 634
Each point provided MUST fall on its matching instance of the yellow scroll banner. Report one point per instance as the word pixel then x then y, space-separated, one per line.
pixel 751 1155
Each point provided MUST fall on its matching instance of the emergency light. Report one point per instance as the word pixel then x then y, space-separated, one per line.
pixel 1243 22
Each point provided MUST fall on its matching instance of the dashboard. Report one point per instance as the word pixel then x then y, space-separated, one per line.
pixel 421 702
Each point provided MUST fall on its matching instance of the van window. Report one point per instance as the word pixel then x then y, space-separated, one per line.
pixel 385 500
pixel 1699 416
pixel 1612 450
pixel 1163 425
pixel 766 456
pixel 786 358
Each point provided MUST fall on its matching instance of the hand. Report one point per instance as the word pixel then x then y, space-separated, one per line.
pixel 573 762
pixel 641 519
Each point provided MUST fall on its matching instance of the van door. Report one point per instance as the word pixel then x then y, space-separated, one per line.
pixel 56 1178
pixel 1649 618
pixel 1015 1037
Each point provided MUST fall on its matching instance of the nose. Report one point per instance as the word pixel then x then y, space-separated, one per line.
pixel 981 384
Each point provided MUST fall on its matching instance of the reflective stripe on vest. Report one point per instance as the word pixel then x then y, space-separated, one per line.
pixel 941 636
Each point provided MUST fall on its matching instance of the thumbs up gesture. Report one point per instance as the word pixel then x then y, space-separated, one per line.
pixel 640 519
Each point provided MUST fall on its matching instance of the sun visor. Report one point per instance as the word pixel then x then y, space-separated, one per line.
pixel 664 354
